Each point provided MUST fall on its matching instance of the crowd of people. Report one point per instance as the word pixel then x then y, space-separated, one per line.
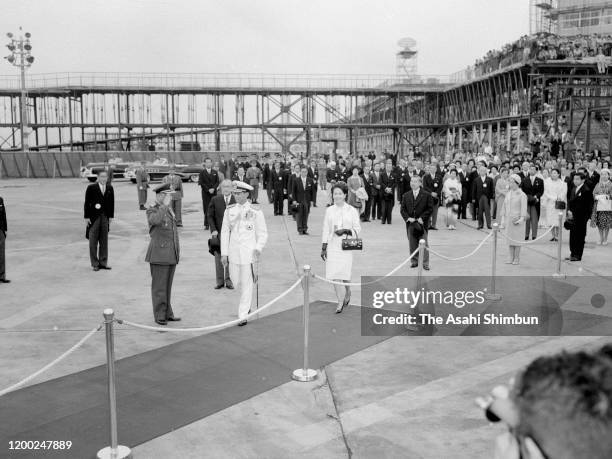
pixel 523 194
pixel 545 47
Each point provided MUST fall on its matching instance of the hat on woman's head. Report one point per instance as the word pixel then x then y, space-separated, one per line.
pixel 516 178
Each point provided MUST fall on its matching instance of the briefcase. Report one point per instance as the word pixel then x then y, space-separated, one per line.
pixel 353 243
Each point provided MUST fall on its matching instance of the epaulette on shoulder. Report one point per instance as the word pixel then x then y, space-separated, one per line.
pixel 255 207
pixel 230 206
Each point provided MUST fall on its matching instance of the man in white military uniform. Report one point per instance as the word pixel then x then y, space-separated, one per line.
pixel 243 237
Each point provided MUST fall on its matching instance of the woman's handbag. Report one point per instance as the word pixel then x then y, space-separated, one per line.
pixel 559 204
pixel 353 243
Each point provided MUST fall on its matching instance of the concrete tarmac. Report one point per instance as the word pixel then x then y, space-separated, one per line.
pixel 405 397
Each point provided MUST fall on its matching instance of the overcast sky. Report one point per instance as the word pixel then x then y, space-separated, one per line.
pixel 260 36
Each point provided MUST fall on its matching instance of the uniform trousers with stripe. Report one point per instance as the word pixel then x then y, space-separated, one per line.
pixel 242 278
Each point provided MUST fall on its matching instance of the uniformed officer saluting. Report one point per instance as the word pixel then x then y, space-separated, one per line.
pixel 243 237
pixel 3 228
pixel 163 254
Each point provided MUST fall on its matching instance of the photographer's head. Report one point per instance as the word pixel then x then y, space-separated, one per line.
pixel 560 407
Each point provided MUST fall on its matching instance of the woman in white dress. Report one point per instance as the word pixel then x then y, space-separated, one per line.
pixel 452 198
pixel 555 190
pixel 513 215
pixel 341 219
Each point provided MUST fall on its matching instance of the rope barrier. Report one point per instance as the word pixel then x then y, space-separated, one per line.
pixel 55 362
pixel 465 256
pixel 527 242
pixel 357 284
pixel 213 327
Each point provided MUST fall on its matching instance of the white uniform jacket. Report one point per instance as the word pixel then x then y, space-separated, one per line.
pixel 244 230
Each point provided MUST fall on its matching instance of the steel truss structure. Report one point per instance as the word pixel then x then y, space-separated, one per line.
pixel 506 109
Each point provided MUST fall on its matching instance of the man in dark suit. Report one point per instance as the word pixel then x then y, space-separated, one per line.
pixel 432 183
pixel 267 172
pixel 216 211
pixel 462 176
pixel 483 191
pixel 142 184
pixel 303 187
pixel 3 230
pixel 208 181
pixel 313 173
pixel 579 209
pixel 416 209
pixel 332 177
pixel 592 176
pixel 99 209
pixel 163 254
pixel 533 187
pixel 278 184
pixel 388 184
pixel 367 185
pixel 377 192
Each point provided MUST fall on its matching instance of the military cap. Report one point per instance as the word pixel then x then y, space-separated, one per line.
pixel 162 188
pixel 241 186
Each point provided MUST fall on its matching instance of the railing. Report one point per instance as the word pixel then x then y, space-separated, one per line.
pixel 219 80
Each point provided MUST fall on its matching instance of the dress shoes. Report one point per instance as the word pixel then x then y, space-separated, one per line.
pixel 5 281
pixel 105 267
pixel 229 285
pixel 480 227
pixel 205 227
pixel 573 259
pixel 305 233
pixel 242 323
pixel 217 287
pixel 143 208
pixel 161 322
pixel 173 319
pixel 426 267
pixel 96 268
pixel 314 205
pixel 414 264
pixel 180 225
pixel 488 227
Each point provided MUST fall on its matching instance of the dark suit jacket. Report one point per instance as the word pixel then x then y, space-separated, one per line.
pixel 536 190
pixel 301 195
pixel 208 181
pixel 278 181
pixel 387 181
pixel 164 247
pixel 3 226
pixel 266 175
pixel 216 209
pixel 96 204
pixel 374 182
pixel 313 174
pixel 479 188
pixel 581 203
pixel 422 208
pixel 432 185
pixel 592 180
pixel 332 175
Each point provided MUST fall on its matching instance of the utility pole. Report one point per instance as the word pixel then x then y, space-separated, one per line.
pixel 21 57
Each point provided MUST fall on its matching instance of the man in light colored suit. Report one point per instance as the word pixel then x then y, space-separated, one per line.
pixel 176 186
pixel 243 237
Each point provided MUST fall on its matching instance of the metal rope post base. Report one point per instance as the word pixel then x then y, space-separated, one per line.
pixel 492 295
pixel 559 247
pixel 306 374
pixel 114 451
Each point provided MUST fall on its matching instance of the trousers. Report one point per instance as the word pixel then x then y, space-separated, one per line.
pixel 221 273
pixel 2 255
pixel 484 207
pixel 142 195
pixel 161 290
pixel 413 243
pixel 242 278
pixel 98 242
pixel 533 216
pixel 177 207
pixel 302 216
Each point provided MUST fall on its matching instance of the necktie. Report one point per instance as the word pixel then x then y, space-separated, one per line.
pixel 226 201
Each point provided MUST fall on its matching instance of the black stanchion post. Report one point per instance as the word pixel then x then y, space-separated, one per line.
pixel 114 451
pixel 492 295
pixel 559 247
pixel 305 374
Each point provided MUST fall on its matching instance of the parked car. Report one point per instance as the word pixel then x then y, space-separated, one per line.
pixel 159 168
pixel 91 170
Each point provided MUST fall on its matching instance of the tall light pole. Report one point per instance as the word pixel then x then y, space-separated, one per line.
pixel 21 57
